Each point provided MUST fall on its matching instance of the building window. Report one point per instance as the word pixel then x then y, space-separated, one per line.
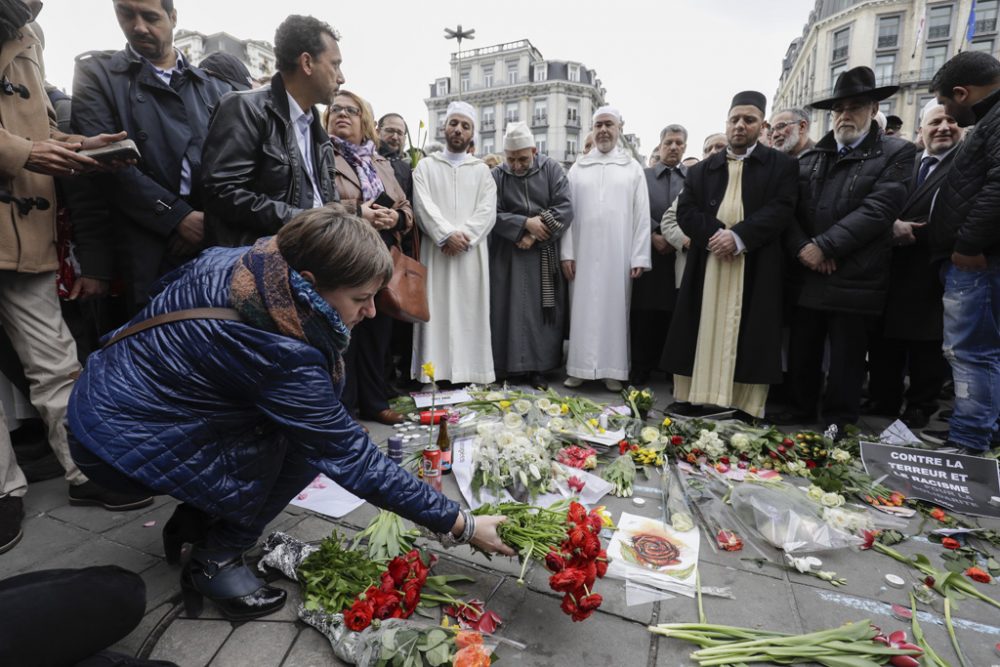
pixel 541 144
pixel 986 16
pixel 464 80
pixel 934 57
pixel 939 22
pixel 488 146
pixel 541 113
pixel 884 67
pixel 440 123
pixel 511 73
pixel 487 76
pixel 574 73
pixel 886 107
pixel 835 72
pixel 888 32
pixel 442 87
pixel 984 45
pixel 487 119
pixel 571 144
pixel 541 72
pixel 511 112
pixel 841 44
pixel 573 113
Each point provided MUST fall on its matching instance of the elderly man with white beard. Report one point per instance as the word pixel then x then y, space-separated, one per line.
pixel 790 132
pixel 602 252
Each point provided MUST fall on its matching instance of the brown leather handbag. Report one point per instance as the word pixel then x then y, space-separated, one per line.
pixel 405 297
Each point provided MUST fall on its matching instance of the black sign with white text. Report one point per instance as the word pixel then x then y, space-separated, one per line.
pixel 964 484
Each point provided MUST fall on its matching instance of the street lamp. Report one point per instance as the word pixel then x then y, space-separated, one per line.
pixel 459 34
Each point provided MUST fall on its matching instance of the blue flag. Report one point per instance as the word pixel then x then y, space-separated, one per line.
pixel 971 30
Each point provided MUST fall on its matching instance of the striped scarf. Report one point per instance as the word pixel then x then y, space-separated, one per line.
pixel 550 267
pixel 272 296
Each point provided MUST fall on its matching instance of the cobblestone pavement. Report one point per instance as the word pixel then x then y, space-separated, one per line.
pixel 58 535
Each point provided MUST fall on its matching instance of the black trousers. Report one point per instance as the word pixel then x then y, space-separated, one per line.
pixel 647 336
pixel 365 388
pixel 889 362
pixel 63 617
pixel 848 336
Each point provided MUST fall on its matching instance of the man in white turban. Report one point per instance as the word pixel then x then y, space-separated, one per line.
pixel 455 201
pixel 528 294
pixel 605 249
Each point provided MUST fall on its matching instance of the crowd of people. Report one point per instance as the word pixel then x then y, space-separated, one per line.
pixel 773 276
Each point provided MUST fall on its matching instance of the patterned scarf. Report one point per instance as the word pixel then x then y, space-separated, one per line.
pixel 360 160
pixel 550 267
pixel 272 296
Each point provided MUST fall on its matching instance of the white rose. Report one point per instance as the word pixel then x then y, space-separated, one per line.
pixel 557 424
pixel 494 396
pixel 521 406
pixel 512 420
pixel 832 500
pixel 840 455
pixel 649 434
pixel 505 439
pixel 793 467
pixel 543 404
pixel 740 442
pixel 815 493
pixel 553 410
pixel 544 436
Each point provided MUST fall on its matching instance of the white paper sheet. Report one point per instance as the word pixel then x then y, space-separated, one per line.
pixel 325 496
pixel 461 465
pixel 686 542
pixel 450 397
pixel 897 433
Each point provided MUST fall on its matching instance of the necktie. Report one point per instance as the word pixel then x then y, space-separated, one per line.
pixel 925 169
pixel 843 151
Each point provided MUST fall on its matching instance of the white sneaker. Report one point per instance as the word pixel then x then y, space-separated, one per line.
pixel 572 382
pixel 612 385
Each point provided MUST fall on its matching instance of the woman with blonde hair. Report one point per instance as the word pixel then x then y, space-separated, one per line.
pixel 366 183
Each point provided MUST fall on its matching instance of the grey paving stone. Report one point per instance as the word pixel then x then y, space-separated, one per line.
pixel 162 583
pixel 98 551
pixel 553 640
pixel 256 643
pixel 97 519
pixel 313 527
pixel 44 539
pixel 45 496
pixel 136 535
pixel 133 642
pixel 191 643
pixel 311 649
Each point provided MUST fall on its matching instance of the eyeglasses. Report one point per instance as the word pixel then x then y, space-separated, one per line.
pixel 337 110
pixel 848 108
pixel 778 127
pixel 393 131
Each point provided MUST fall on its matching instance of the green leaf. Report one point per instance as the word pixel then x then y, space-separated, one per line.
pixel 439 655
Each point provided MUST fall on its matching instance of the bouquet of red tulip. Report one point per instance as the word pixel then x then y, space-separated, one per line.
pixel 578 563
pixel 396 596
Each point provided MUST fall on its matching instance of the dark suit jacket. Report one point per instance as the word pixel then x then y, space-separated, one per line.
pixel 913 309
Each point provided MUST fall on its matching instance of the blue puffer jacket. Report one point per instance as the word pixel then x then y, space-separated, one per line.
pixel 207 410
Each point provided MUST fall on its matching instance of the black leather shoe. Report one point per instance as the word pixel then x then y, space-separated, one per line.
pixel 187 525
pixel 790 418
pixel 91 493
pixel 230 584
pixel 11 515
pixel 538 381
pixel 915 417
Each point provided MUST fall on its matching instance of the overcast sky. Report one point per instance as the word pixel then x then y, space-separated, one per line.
pixel 674 61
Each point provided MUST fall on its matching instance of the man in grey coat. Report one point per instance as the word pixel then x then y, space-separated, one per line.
pixel 527 289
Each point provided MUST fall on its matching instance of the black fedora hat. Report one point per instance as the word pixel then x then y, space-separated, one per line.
pixel 856 82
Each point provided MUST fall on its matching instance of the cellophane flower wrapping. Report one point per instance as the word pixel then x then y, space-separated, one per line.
pixel 369 643
pixel 787 519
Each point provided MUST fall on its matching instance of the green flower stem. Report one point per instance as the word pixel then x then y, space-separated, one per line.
pixel 943 581
pixel 951 632
pixel 921 640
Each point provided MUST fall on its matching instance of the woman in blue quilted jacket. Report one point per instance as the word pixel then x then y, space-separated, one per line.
pixel 231 404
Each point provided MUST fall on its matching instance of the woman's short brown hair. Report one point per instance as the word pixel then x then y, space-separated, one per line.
pixel 368 132
pixel 337 247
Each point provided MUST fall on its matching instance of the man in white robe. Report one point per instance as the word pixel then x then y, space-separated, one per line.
pixel 602 252
pixel 455 200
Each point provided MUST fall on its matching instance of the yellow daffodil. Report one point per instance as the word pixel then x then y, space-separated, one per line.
pixel 565 408
pixel 605 515
pixel 427 368
pixel 593 422
pixel 667 421
pixel 504 404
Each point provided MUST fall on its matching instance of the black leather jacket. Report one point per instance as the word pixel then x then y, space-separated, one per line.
pixel 253 178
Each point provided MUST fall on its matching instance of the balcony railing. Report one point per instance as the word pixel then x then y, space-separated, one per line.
pixel 840 53
pixel 938 32
pixel 888 41
pixel 986 25
pixel 572 121
pixel 488 125
pixel 540 120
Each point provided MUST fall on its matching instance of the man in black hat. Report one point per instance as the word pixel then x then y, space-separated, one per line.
pixel 893 125
pixel 852 187
pixel 724 346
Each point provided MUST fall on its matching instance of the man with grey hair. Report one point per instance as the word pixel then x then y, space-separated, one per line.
pixel 527 289
pixel 852 186
pixel 653 293
pixel 606 248
pixel 790 132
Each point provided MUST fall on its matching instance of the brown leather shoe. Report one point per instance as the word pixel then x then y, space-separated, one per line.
pixel 388 416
